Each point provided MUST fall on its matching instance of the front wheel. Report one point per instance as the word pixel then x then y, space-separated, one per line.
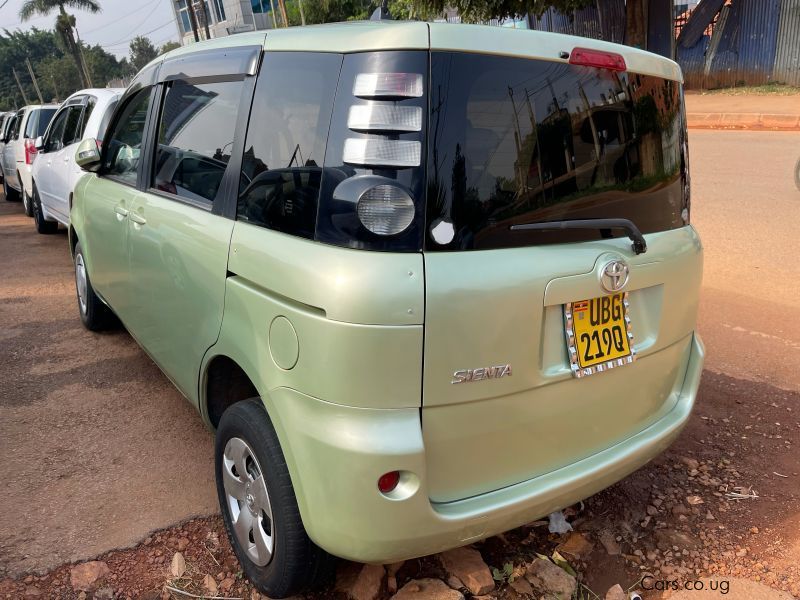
pixel 259 506
pixel 95 315
pixel 797 174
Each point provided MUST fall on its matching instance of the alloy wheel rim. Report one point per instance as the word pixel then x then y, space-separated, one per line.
pixel 248 501
pixel 80 281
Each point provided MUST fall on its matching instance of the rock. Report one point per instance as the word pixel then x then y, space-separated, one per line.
pixel 183 544
pixel 226 584
pixel 467 564
pixel 367 585
pixel 667 538
pixel 576 545
pixel 210 585
pixel 391 584
pixel 82 596
pixel 549 579
pixel 738 589
pixel 616 593
pixel 454 582
pixel 609 543
pixel 652 510
pixel 105 593
pixel 178 566
pixel 84 577
pixel 694 500
pixel 691 463
pixel 32 591
pixel 522 586
pixel 427 589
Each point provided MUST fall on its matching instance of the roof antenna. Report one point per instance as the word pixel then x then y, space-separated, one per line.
pixel 382 12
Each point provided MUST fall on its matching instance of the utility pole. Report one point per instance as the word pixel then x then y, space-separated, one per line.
pixel 33 78
pixel 83 59
pixel 55 87
pixel 19 85
pixel 302 14
pixel 205 16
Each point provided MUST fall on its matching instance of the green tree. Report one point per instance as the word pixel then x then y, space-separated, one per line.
pixel 142 51
pixel 65 26
pixel 169 46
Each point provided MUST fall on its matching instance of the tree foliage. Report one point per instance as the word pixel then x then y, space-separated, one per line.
pixel 168 46
pixel 55 69
pixel 142 51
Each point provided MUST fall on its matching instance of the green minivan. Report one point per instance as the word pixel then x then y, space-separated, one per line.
pixel 427 282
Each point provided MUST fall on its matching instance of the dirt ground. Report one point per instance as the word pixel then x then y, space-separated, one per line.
pixel 100 451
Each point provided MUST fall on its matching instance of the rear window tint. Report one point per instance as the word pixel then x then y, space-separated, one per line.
pixel 286 140
pixel 38 121
pixel 516 141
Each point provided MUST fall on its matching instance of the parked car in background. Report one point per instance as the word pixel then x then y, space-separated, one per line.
pixel 84 114
pixel 5 121
pixel 427 282
pixel 20 149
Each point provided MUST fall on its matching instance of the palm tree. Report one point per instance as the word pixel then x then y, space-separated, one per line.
pixel 65 26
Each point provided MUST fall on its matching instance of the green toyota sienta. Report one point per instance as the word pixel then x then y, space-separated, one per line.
pixel 426 282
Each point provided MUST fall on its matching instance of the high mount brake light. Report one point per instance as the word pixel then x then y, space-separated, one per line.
pixel 587 57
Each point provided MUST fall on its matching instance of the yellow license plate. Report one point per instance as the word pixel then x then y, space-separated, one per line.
pixel 598 334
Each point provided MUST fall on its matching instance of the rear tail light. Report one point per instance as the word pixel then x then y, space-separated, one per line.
pixel 383 117
pixel 388 85
pixel 382 153
pixel 601 59
pixel 30 151
pixel 386 209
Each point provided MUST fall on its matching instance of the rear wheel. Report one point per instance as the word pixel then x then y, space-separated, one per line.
pixel 95 315
pixel 27 202
pixel 42 226
pixel 259 507
pixel 10 193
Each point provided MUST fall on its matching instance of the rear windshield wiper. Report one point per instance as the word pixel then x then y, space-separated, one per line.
pixel 639 243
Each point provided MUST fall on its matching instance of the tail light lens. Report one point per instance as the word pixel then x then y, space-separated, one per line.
pixel 388 481
pixel 601 59
pixel 373 184
pixel 386 209
pixel 30 151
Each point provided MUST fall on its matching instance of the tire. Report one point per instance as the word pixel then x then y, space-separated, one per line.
pixel 245 437
pixel 27 202
pixel 10 194
pixel 95 315
pixel 797 174
pixel 42 226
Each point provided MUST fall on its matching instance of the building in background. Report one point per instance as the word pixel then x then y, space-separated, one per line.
pixel 225 17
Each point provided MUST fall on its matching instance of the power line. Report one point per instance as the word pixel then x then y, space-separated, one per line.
pixel 124 42
pixel 133 12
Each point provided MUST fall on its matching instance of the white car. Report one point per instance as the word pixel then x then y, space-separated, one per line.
pixel 5 123
pixel 85 114
pixel 19 151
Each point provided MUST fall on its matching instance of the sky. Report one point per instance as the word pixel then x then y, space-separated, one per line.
pixel 113 28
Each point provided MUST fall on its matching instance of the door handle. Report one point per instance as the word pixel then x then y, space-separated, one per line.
pixel 137 218
pixel 66 159
pixel 121 211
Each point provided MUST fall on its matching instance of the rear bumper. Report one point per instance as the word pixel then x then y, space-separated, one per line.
pixel 336 454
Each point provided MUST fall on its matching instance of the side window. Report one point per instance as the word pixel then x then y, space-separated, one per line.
pixel 71 129
pixel 15 127
pixel 55 136
pixel 124 143
pixel 32 124
pixel 87 114
pixel 101 130
pixel 285 147
pixel 195 137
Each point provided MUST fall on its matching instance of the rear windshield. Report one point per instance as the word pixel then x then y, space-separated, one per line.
pixel 38 122
pixel 514 141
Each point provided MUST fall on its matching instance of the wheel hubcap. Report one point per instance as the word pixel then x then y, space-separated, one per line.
pixel 248 501
pixel 80 281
